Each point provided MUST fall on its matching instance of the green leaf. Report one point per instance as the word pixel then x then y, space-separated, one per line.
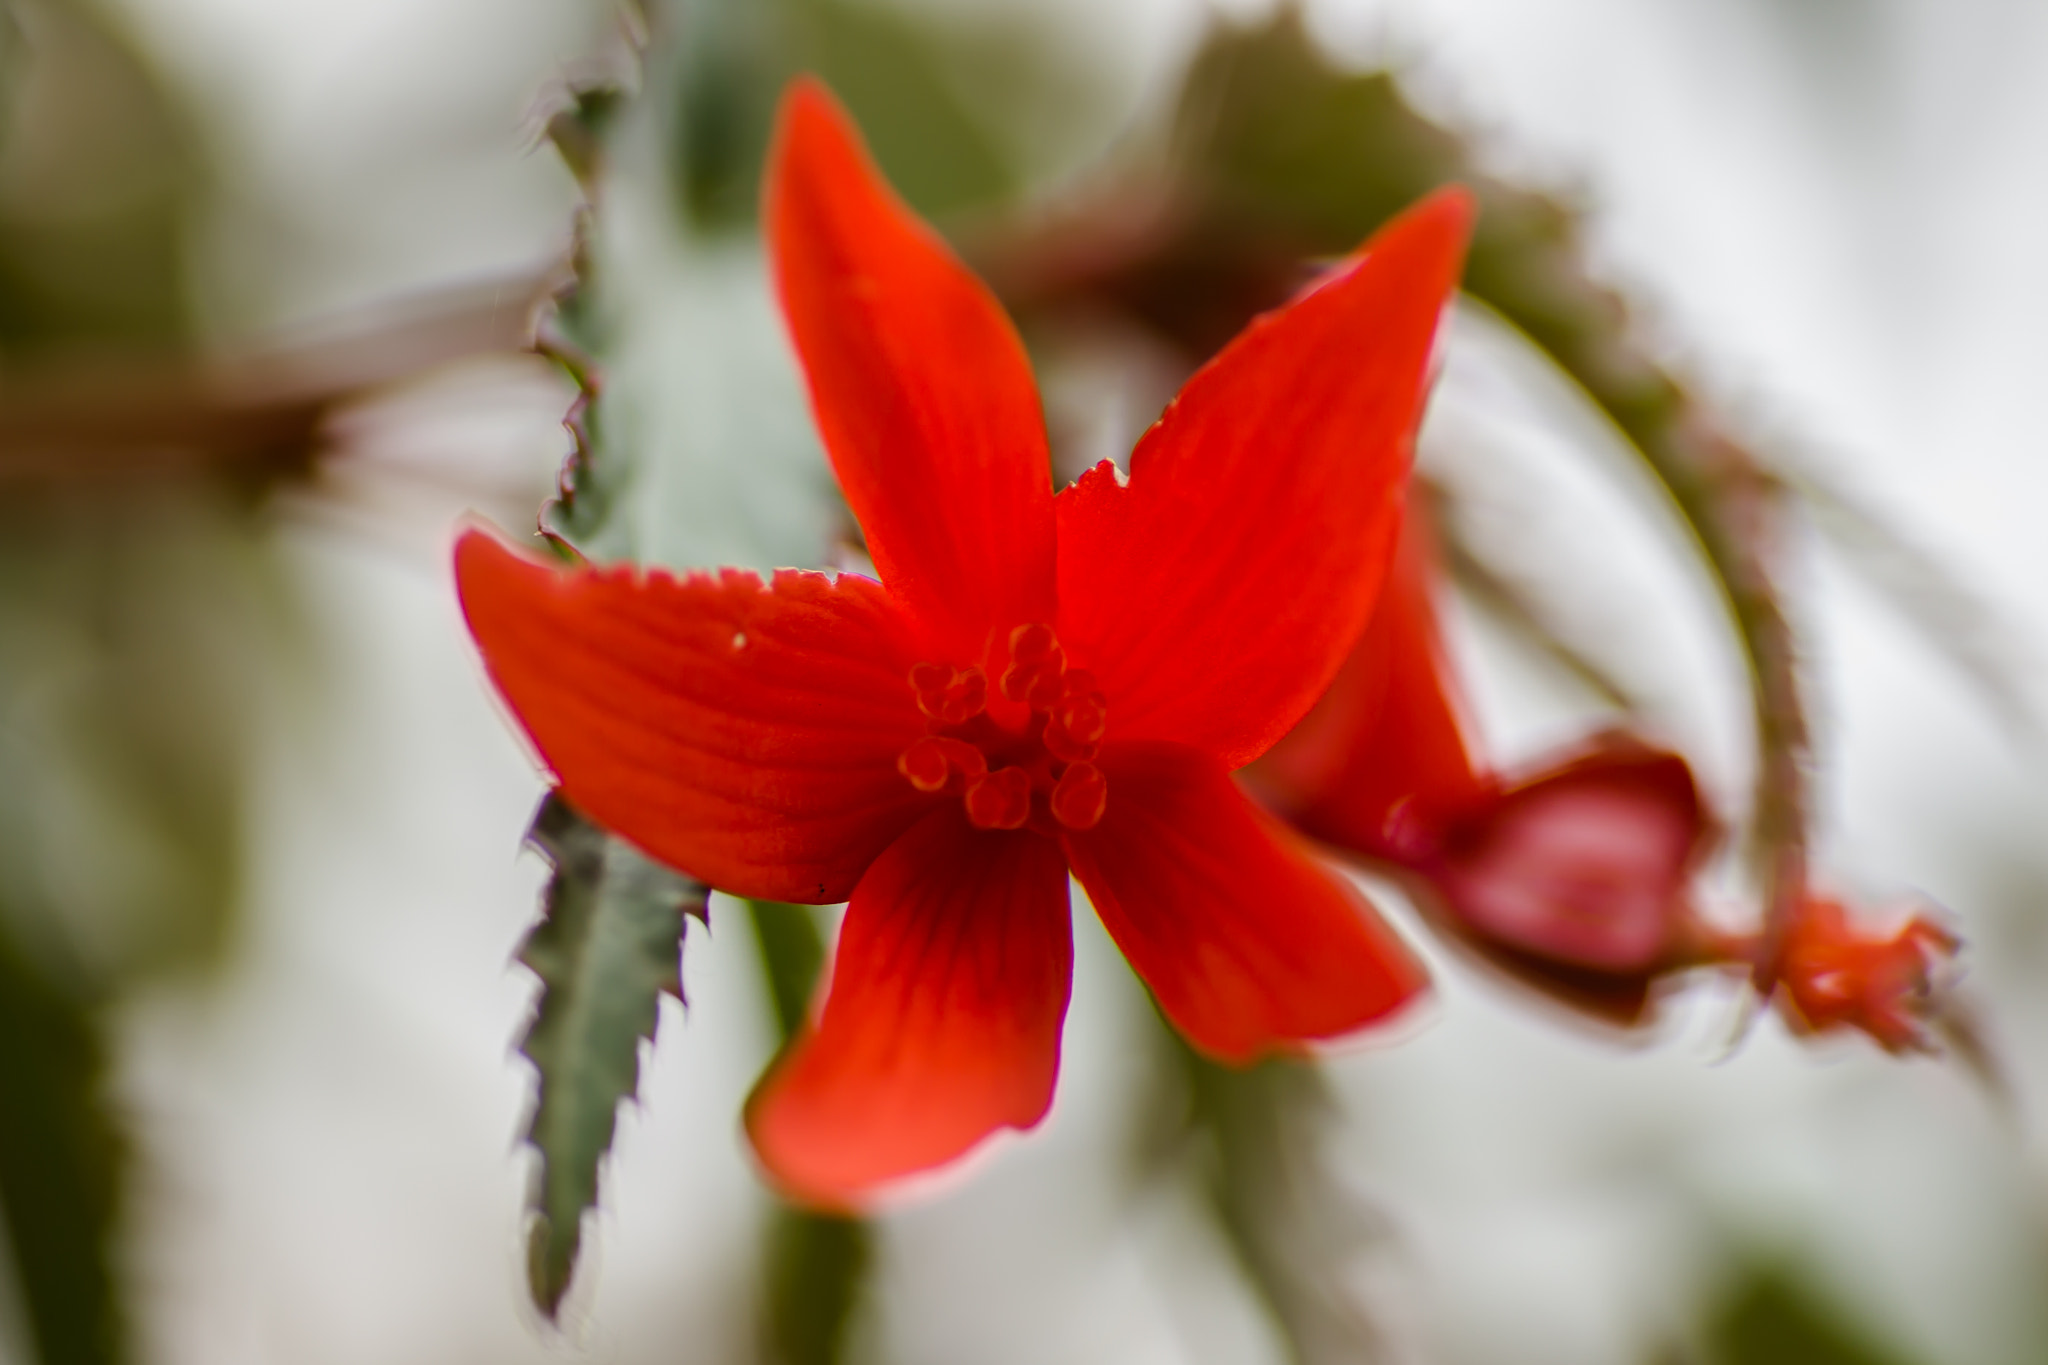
pixel 607 948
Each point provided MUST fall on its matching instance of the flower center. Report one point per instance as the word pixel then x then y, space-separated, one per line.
pixel 1041 774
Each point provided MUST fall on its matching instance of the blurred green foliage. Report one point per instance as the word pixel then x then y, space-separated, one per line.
pixel 60 1165
pixel 902 79
pixel 1253 1143
pixel 1770 1314
pixel 98 172
pixel 136 616
pixel 1290 152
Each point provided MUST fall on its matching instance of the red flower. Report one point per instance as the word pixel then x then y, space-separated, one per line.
pixel 1574 880
pixel 1831 975
pixel 1036 685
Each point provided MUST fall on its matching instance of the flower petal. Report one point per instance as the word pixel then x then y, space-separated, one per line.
pixel 922 390
pixel 1589 864
pixel 1216 593
pixel 745 733
pixel 1379 763
pixel 1249 944
pixel 942 1020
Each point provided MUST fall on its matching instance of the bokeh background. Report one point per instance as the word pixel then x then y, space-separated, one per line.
pixel 266 275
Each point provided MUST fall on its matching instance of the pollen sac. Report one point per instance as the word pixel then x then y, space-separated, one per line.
pixel 999 800
pixel 1033 644
pixel 1078 719
pixel 1037 667
pixel 932 762
pixel 924 765
pixel 1080 796
pixel 950 696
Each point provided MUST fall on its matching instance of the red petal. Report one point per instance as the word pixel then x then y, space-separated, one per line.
pixel 747 734
pixel 1249 944
pixel 1586 865
pixel 1379 763
pixel 922 390
pixel 942 1022
pixel 1574 882
pixel 1216 594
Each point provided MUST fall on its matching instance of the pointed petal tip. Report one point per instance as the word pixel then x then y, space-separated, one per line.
pixel 480 553
pixel 471 535
pixel 807 111
pixel 1450 209
pixel 812 132
pixel 1433 234
pixel 1224 633
pixel 920 386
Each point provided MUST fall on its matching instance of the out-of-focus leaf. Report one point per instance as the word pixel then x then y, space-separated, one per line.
pixel 893 72
pixel 1950 616
pixel 1515 607
pixel 1773 1317
pixel 61 1162
pixel 579 127
pixel 816 1264
pixel 1255 1141
pixel 99 174
pixel 1309 153
pixel 693 439
pixel 694 443
pixel 134 631
pixel 606 949
pixel 730 63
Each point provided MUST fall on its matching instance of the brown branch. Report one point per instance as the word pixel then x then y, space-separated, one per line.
pixel 82 419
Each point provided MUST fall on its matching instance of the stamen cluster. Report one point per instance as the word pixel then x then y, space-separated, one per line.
pixel 1040 773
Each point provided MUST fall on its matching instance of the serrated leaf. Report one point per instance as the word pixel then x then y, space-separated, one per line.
pixel 607 948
